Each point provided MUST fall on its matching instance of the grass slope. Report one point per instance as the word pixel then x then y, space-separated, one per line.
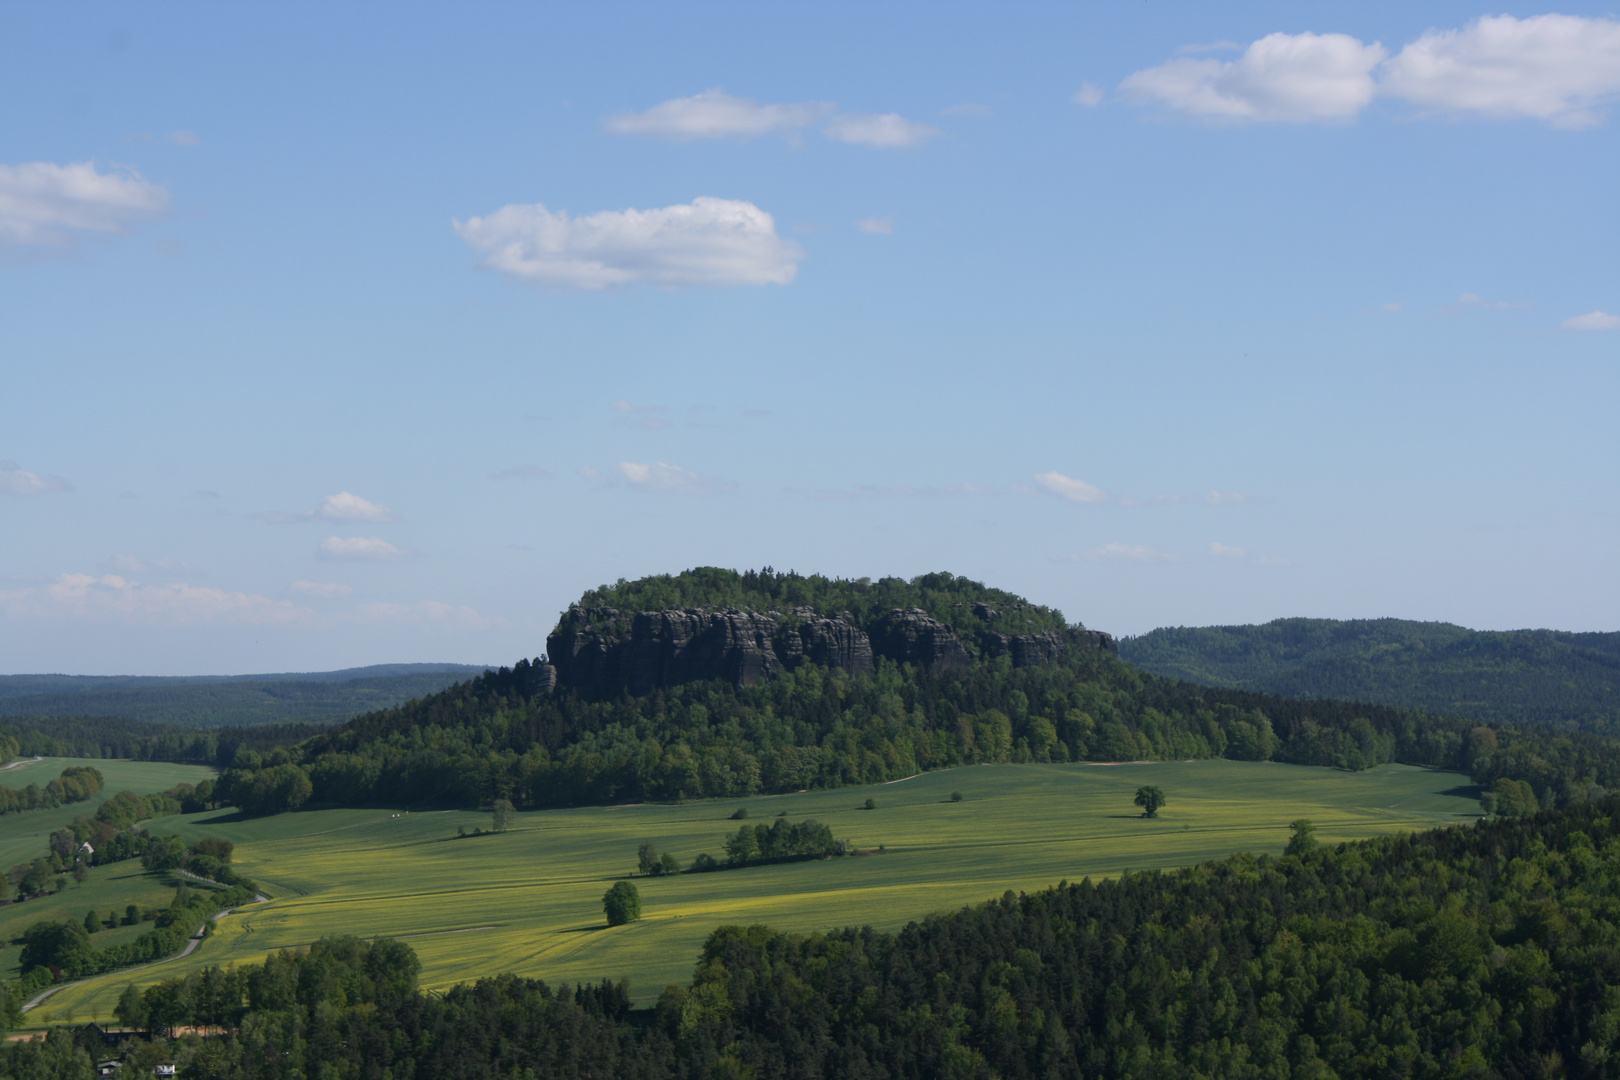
pixel 530 900
pixel 24 836
pixel 1543 677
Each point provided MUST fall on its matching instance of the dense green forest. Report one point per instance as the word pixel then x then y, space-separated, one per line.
pixel 227 701
pixel 1489 950
pixel 501 736
pixel 116 737
pixel 1544 677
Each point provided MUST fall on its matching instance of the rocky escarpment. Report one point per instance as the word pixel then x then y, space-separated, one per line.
pixel 601 652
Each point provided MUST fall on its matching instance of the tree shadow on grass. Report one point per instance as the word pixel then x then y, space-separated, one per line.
pixel 1464 791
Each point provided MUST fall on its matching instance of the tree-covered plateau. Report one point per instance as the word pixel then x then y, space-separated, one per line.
pixel 1548 677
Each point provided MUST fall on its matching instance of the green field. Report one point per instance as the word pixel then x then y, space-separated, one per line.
pixel 529 900
pixel 24 836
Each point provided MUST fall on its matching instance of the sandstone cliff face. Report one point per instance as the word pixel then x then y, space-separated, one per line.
pixel 913 637
pixel 602 652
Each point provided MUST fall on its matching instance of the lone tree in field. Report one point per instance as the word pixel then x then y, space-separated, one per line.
pixel 622 904
pixel 504 813
pixel 1303 841
pixel 1149 798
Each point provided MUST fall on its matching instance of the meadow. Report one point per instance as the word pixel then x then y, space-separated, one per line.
pixel 24 836
pixel 529 900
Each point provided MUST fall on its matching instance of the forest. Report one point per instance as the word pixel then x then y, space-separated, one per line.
pixel 818 727
pixel 1547 677
pixel 316 698
pixel 1483 950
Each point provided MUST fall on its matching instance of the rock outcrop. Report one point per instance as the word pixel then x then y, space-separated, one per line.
pixel 601 652
pixel 913 637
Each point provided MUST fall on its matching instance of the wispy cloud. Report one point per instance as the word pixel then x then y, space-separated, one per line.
pixel 1090 95
pixel 1592 320
pixel 1067 487
pixel 876 226
pixel 522 472
pixel 1222 551
pixel 15 480
pixel 887 131
pixel 707 242
pixel 667 479
pixel 1126 553
pixel 715 114
pixel 1474 302
pixel 115 598
pixel 46 204
pixel 359 548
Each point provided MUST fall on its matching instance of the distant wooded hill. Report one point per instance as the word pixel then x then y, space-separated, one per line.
pixel 1544 677
pixel 229 700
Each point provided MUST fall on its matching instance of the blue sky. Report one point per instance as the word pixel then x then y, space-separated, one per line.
pixel 334 335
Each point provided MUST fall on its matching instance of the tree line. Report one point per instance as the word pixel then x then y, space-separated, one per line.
pixel 816 727
pixel 1479 950
pixel 76 784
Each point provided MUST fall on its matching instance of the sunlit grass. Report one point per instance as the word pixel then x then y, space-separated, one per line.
pixel 529 900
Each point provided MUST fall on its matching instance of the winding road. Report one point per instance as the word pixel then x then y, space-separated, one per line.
pixel 191 947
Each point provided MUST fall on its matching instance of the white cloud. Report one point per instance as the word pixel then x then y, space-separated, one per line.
pixel 322 588
pixel 1118 552
pixel 1067 487
pixel 1559 68
pixel 1289 78
pixel 1222 551
pixel 371 548
pixel 15 480
pixel 114 598
pixel 345 506
pixel 1592 320
pixel 522 472
pixel 876 226
pixel 886 131
pixel 705 242
pixel 43 203
pixel 714 114
pixel 1090 95
pixel 672 479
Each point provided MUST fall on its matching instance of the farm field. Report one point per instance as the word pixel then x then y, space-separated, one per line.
pixel 529 900
pixel 24 836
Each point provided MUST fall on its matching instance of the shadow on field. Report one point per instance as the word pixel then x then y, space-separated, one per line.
pixel 1464 791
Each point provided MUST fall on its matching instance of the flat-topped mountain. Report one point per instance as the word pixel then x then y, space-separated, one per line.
pixel 747 627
